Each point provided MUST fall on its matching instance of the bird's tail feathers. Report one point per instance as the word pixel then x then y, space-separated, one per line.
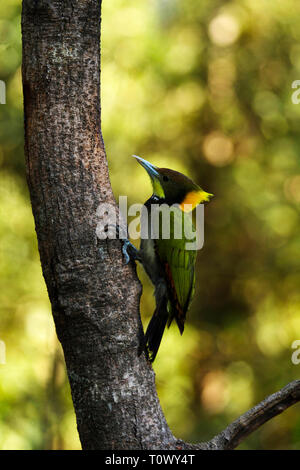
pixel 179 316
pixel 155 332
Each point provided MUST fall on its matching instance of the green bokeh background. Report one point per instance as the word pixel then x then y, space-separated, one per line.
pixel 203 87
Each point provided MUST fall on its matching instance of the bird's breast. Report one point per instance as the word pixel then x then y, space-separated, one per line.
pixel 150 260
pixel 147 248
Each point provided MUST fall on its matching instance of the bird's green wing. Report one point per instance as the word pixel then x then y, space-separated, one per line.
pixel 178 259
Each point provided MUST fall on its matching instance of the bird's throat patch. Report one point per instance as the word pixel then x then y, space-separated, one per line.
pixel 157 188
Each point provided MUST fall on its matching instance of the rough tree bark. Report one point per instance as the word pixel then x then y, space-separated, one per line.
pixel 94 295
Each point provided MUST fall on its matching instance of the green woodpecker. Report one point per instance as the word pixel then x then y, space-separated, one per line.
pixel 169 265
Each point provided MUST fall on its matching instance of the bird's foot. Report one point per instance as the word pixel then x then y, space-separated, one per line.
pixel 129 251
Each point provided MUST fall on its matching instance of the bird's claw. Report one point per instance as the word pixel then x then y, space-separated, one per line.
pixel 125 251
pixel 129 251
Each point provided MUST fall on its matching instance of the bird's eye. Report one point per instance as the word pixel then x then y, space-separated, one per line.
pixel 165 178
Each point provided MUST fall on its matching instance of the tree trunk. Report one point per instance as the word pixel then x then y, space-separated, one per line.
pixel 94 295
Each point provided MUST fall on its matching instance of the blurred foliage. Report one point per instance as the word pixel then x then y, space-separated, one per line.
pixel 203 87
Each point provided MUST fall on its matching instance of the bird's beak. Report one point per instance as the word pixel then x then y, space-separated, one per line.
pixel 151 169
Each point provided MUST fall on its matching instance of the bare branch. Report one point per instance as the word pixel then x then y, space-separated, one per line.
pixel 247 423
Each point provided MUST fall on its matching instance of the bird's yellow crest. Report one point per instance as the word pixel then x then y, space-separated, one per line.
pixel 193 198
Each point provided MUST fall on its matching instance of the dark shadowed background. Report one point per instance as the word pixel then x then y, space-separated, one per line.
pixel 203 87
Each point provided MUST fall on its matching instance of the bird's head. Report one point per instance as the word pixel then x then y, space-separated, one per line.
pixel 174 187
